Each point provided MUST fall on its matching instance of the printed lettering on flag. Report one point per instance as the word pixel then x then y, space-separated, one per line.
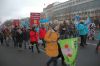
pixel 34 18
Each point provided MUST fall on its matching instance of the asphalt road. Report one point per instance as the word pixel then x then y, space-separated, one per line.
pixel 10 56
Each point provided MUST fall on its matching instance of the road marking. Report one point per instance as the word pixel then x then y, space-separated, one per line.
pixel 42 50
pixel 91 44
pixel 87 43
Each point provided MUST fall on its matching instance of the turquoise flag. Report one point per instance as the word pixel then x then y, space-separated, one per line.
pixel 25 23
pixel 88 21
pixel 45 20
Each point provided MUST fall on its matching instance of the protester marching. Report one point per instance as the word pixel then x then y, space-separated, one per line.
pixel 97 37
pixel 57 40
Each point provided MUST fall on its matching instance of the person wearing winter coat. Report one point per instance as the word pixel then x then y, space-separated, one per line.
pixel 1 38
pixel 91 31
pixel 34 39
pixel 13 35
pixel 6 33
pixel 51 48
pixel 25 37
pixel 42 33
pixel 63 30
pixel 98 38
pixel 19 38
pixel 83 31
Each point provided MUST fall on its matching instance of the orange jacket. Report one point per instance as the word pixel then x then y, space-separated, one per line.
pixel 33 36
pixel 51 39
pixel 51 36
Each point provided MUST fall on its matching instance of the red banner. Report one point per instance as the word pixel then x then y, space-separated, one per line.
pixel 16 22
pixel 34 19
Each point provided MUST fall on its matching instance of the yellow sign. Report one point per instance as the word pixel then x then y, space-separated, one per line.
pixel 35 21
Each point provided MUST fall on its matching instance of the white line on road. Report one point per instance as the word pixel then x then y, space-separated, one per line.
pixel 91 44
pixel 42 50
pixel 87 43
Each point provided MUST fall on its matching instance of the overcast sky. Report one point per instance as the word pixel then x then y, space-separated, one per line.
pixel 12 9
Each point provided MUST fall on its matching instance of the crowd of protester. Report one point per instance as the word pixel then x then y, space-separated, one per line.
pixel 39 35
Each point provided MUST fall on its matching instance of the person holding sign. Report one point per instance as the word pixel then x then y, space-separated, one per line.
pixel 51 48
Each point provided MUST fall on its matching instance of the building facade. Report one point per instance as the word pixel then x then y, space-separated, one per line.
pixel 68 9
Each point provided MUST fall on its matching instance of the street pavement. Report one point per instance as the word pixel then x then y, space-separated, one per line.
pixel 10 56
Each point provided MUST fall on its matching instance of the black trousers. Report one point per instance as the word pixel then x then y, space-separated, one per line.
pixel 97 47
pixel 52 60
pixel 36 44
pixel 60 55
pixel 83 40
pixel 20 44
pixel 43 43
pixel 1 40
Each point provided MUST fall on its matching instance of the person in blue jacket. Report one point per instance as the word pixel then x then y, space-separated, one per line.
pixel 98 38
pixel 83 31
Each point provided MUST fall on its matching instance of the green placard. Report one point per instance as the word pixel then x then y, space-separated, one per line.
pixel 69 49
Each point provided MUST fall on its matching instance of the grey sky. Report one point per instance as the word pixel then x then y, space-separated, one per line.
pixel 13 9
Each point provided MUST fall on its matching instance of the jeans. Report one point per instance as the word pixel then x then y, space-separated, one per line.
pixel 19 44
pixel 15 42
pixel 25 44
pixel 54 60
pixel 36 44
pixel 97 47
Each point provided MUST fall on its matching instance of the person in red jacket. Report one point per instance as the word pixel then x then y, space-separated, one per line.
pixel 34 39
pixel 42 33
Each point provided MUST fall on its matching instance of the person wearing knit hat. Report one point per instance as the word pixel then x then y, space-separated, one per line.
pixel 51 39
pixel 83 31
pixel 52 47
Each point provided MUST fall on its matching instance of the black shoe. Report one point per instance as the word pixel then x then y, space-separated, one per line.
pixel 81 45
pixel 86 44
pixel 64 64
pixel 39 52
pixel 29 48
